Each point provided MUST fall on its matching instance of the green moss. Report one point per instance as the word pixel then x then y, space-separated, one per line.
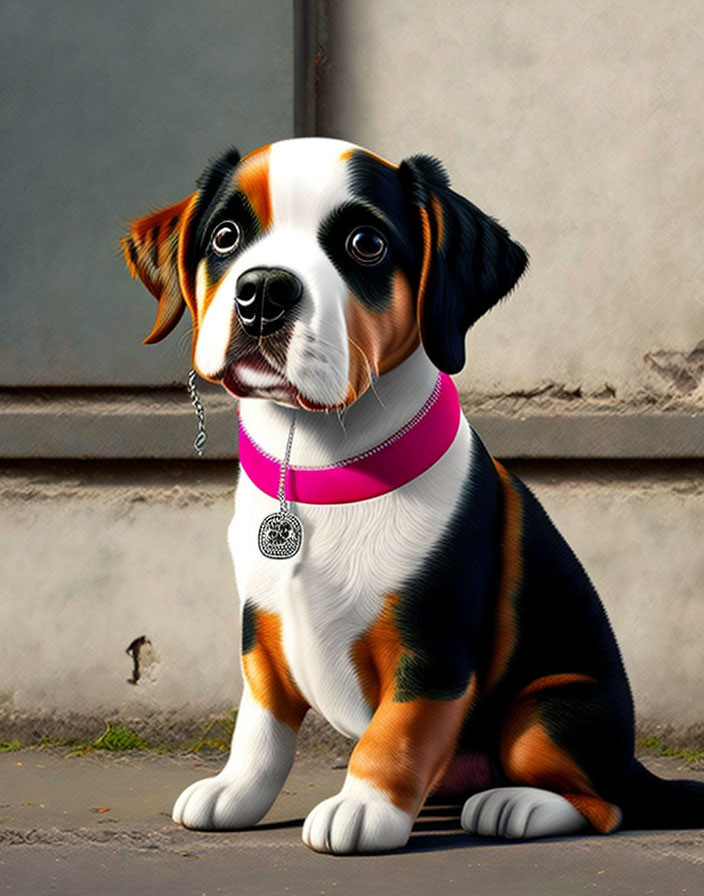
pixel 119 737
pixel 115 738
pixel 215 736
pixel 690 755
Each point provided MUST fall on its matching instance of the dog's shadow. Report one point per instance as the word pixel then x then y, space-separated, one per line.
pixel 438 828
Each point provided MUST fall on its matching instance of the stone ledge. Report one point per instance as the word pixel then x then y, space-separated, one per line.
pixel 656 436
pixel 161 424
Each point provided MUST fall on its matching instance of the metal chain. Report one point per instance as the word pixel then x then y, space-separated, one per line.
pixel 202 435
pixel 283 503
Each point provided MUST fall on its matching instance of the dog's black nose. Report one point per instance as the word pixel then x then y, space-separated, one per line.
pixel 264 299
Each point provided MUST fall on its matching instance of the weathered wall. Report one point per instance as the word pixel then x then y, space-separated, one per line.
pixel 108 111
pixel 95 558
pixel 579 126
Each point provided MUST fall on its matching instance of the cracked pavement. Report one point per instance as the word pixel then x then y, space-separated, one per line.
pixel 100 824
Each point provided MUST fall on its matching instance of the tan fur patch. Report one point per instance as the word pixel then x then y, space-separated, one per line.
pixel 425 267
pixel 408 745
pixel 530 757
pixel 269 676
pixel 154 252
pixel 380 341
pixel 348 153
pixel 506 631
pixel 253 180
pixel 555 681
pixel 375 656
pixel 604 817
pixel 439 221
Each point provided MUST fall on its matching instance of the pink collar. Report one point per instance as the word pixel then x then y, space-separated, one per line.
pixel 406 454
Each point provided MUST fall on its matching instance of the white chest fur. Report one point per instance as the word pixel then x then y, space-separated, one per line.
pixel 353 556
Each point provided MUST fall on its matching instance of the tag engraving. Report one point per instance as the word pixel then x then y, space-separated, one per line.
pixel 280 535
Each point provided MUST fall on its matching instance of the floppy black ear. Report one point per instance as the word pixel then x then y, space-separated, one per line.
pixel 469 262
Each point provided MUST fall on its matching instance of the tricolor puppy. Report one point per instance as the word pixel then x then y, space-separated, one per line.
pixel 404 584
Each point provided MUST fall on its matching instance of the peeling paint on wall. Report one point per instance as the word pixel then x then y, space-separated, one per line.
pixel 144 660
pixel 684 371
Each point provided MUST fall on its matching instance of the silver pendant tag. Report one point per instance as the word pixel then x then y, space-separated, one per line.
pixel 280 535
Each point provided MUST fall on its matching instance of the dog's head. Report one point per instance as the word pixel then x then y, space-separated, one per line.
pixel 312 266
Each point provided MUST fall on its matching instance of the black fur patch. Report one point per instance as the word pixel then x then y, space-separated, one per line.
pixel 432 174
pixel 442 612
pixel 562 629
pixel 249 627
pixel 474 262
pixel 233 207
pixel 210 185
pixel 213 176
pixel 372 284
pixel 132 249
pixel 380 202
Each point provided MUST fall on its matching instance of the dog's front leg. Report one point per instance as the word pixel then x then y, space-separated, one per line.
pixel 263 743
pixel 395 764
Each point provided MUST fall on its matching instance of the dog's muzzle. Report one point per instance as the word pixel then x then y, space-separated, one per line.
pixel 265 298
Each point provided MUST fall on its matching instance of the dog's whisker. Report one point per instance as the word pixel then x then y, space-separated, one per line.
pixel 185 339
pixel 367 365
pixel 372 386
pixel 370 370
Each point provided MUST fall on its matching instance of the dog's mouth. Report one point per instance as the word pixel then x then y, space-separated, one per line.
pixel 254 377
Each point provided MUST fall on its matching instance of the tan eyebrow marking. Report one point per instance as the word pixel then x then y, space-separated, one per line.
pixel 253 181
pixel 348 153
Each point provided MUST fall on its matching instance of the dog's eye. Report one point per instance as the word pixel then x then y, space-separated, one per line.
pixel 366 245
pixel 226 237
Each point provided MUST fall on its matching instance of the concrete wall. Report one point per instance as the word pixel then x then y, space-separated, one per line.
pixel 108 111
pixel 95 558
pixel 579 126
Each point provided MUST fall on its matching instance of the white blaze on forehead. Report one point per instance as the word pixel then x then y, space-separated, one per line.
pixel 308 178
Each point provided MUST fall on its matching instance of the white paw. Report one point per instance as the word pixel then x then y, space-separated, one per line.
pixel 521 812
pixel 360 819
pixel 220 804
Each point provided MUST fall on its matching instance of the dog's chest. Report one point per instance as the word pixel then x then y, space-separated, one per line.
pixel 353 556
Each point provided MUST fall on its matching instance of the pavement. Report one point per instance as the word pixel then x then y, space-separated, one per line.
pixel 100 824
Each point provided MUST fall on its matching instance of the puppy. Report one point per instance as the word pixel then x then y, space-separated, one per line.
pixel 392 575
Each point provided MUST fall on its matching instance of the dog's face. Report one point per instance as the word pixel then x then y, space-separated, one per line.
pixel 312 266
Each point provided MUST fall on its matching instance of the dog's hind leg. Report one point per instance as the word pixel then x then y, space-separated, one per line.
pixel 550 745
pixel 263 743
pixel 521 812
